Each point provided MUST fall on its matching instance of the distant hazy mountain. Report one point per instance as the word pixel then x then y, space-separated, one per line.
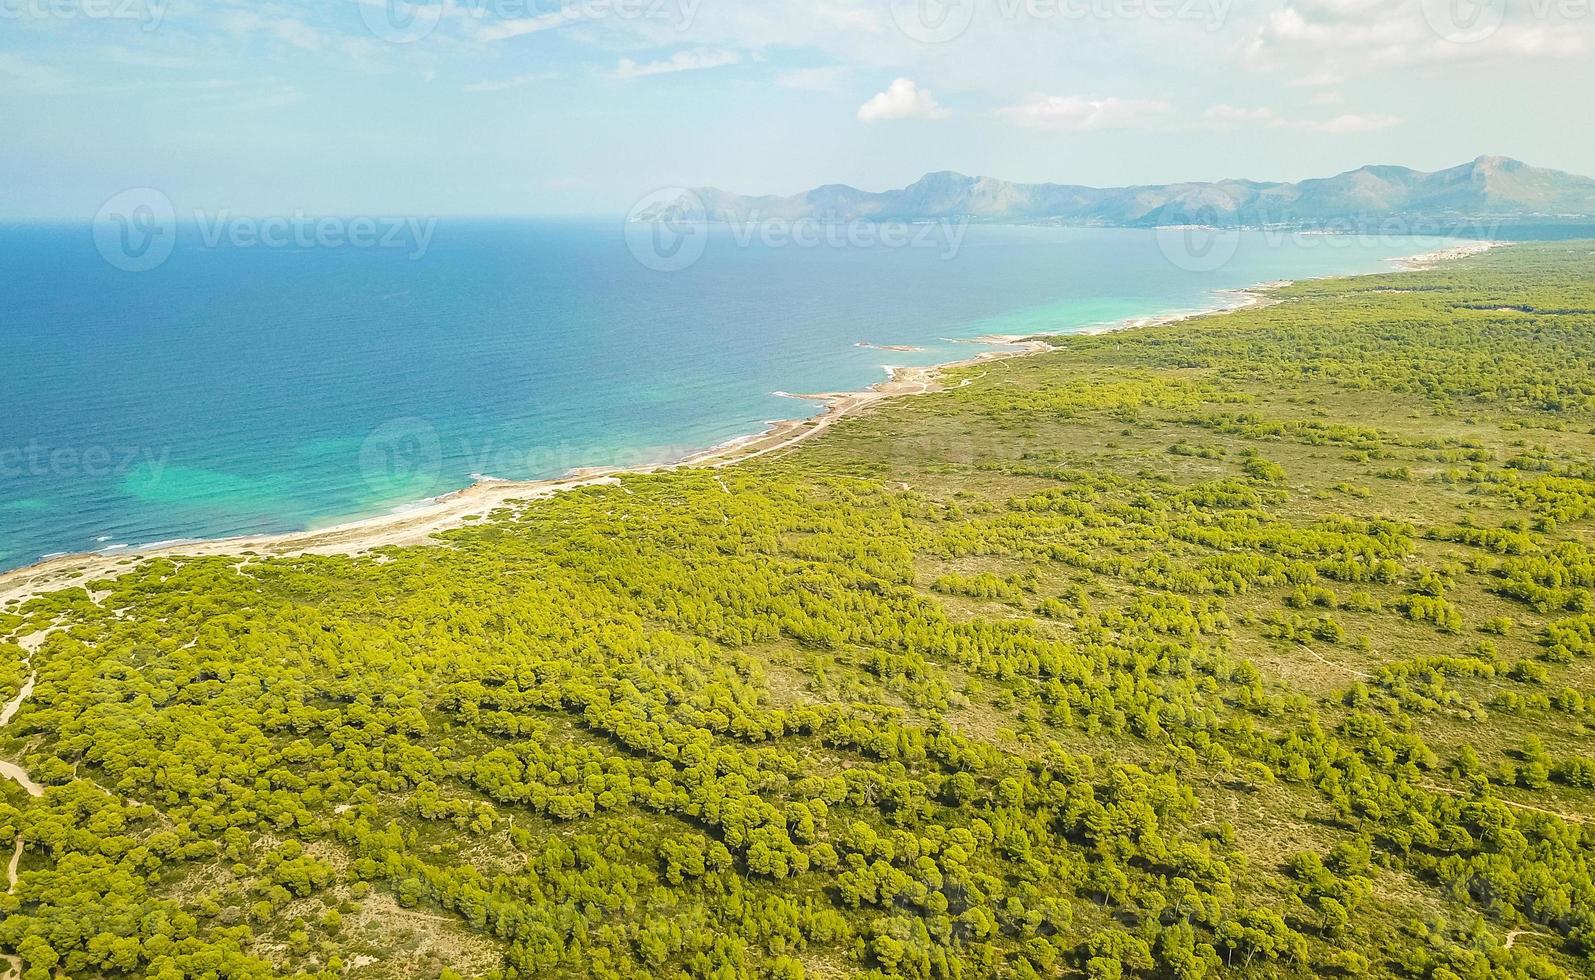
pixel 1489 189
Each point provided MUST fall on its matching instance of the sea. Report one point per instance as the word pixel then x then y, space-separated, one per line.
pixel 260 379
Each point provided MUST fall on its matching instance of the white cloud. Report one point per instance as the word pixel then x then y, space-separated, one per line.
pixel 267 101
pixel 234 95
pixel 1349 122
pixel 1321 39
pixel 1076 112
pixel 1321 77
pixel 501 84
pixel 903 99
pixel 520 26
pixel 288 30
pixel 571 183
pixel 30 75
pixel 1235 114
pixel 828 79
pixel 1227 115
pixel 850 31
pixel 680 61
pixel 472 20
pixel 142 58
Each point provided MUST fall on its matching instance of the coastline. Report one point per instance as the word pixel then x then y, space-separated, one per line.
pixel 417 525
pixel 1428 260
pixel 1245 298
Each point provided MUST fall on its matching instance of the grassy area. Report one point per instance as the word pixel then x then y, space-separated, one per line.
pixel 1258 643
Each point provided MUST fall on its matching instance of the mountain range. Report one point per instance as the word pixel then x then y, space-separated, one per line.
pixel 1492 189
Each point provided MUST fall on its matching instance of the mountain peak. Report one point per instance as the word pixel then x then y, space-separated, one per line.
pixel 1496 164
pixel 938 178
pixel 1492 188
pixel 1382 170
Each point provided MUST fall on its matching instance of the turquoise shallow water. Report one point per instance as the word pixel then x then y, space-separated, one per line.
pixel 238 389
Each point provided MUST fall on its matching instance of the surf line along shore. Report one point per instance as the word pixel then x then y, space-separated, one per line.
pixel 418 524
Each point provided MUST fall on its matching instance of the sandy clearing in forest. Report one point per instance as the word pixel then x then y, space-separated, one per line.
pixel 11 770
pixel 11 869
pixel 11 706
pixel 1560 814
pixel 1513 936
pixel 1332 664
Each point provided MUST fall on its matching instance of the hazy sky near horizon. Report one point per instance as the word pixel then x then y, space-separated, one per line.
pixel 487 107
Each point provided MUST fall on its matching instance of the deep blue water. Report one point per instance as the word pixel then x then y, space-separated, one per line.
pixel 237 389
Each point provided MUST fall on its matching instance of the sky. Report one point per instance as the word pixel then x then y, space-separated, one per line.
pixel 583 107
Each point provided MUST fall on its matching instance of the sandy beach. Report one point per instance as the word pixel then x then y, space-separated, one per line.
pixel 1262 293
pixel 1429 260
pixel 897 347
pixel 418 524
pixel 1234 299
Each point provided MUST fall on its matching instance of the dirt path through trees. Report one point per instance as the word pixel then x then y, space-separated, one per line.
pixel 11 770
